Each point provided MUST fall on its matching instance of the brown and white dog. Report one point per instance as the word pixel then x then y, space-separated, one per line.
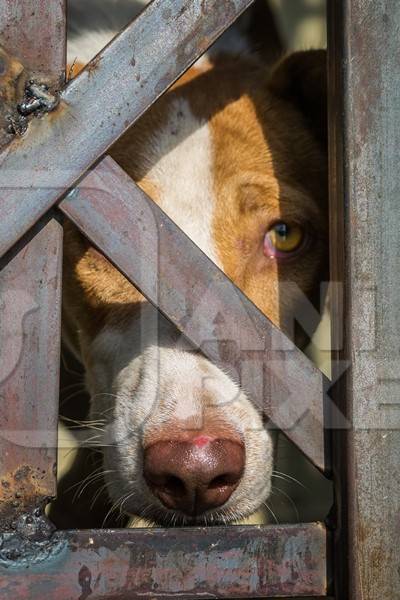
pixel 235 154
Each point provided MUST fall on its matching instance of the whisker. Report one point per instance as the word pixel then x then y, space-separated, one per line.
pixel 286 477
pixel 290 500
pixel 126 500
pixel 88 424
pixel 91 478
pixel 72 386
pixel 113 508
pixel 71 396
pixel 98 494
pixel 271 511
pixel 68 369
pixel 110 394
pixel 95 478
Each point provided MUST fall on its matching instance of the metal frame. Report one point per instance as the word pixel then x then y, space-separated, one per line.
pixel 98 106
pixel 365 186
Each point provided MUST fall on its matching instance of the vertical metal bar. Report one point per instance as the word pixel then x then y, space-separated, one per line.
pixel 339 452
pixel 30 303
pixel 34 32
pixel 365 137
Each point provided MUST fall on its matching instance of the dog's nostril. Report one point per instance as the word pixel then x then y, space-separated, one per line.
pixel 174 485
pixel 221 481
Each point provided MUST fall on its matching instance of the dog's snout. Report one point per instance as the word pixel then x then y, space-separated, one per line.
pixel 194 476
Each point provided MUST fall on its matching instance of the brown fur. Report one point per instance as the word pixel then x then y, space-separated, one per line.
pixel 269 164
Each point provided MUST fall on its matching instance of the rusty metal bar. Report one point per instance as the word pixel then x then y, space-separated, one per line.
pixel 30 293
pixel 32 45
pixel 365 138
pixel 30 303
pixel 165 265
pixel 34 32
pixel 105 99
pixel 194 563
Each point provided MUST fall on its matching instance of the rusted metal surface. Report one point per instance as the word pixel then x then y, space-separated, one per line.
pixel 32 45
pixel 30 298
pixel 366 259
pixel 238 562
pixel 12 83
pixel 34 32
pixel 97 106
pixel 202 302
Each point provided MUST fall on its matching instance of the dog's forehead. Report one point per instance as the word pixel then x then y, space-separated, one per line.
pixel 185 156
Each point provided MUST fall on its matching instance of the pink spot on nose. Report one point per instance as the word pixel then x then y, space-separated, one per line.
pixel 201 440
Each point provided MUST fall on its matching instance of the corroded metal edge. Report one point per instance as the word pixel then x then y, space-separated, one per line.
pixel 272 561
pixel 30 329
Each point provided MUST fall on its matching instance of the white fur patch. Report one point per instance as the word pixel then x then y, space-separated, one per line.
pixel 150 380
pixel 181 151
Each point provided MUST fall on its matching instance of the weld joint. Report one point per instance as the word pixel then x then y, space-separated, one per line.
pixel 32 540
pixel 37 101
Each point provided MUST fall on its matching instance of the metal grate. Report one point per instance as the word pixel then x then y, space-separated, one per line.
pixel 93 111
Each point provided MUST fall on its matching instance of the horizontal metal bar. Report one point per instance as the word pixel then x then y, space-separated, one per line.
pixel 165 265
pixel 191 563
pixel 97 106
pixel 34 32
pixel 30 308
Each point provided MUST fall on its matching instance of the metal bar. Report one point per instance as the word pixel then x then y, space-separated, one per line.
pixel 12 84
pixel 336 223
pixel 194 563
pixel 105 99
pixel 202 302
pixel 34 32
pixel 32 45
pixel 30 302
pixel 365 140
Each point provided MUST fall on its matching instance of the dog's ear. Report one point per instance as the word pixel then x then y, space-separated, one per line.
pixel 301 79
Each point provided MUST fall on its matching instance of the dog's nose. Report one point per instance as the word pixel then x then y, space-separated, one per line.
pixel 194 476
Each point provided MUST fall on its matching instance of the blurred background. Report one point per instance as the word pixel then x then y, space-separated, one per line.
pixel 302 23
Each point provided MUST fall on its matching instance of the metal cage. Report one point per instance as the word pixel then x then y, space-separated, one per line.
pixel 57 167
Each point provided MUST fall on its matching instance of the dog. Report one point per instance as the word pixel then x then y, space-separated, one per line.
pixel 235 154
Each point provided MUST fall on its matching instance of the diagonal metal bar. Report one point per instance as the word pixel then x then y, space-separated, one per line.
pixel 30 307
pixel 165 265
pixel 238 562
pixel 106 98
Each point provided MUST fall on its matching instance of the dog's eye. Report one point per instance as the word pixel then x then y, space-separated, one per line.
pixel 283 239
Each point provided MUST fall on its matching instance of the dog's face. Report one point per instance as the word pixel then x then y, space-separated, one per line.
pixel 237 160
